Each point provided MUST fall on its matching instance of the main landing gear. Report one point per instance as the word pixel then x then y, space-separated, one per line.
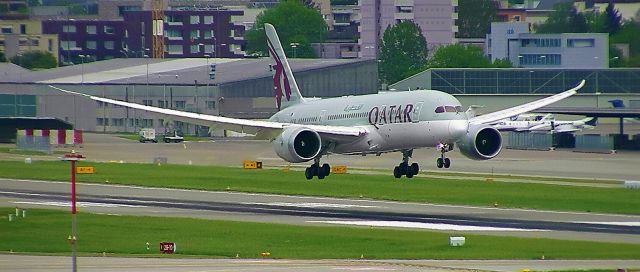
pixel 315 170
pixel 404 169
pixel 444 161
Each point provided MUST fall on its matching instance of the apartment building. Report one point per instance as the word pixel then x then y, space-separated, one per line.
pixel 188 33
pixel 436 18
pixel 20 36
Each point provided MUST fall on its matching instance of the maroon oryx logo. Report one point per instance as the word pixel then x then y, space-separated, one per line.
pixel 279 73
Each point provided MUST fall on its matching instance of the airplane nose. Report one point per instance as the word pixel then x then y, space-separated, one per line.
pixel 458 128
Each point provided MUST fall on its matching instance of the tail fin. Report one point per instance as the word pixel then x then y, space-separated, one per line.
pixel 593 121
pixel 284 84
pixel 617 103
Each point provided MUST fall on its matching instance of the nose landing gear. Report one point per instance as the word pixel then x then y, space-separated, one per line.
pixel 444 161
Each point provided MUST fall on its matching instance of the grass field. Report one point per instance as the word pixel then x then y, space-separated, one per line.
pixel 12 150
pixel 46 231
pixel 424 190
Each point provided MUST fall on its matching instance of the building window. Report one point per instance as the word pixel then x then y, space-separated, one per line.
pixel 175 49
pixel 194 19
pixel 208 34
pixel 69 28
pixel 91 29
pixel 195 48
pixel 180 104
pixel 23 29
pixel 174 19
pixel 109 30
pixel 118 122
pixel 211 105
pixel 147 102
pixel 163 103
pixel 123 9
pixel 6 30
pixel 50 45
pixel 540 42
pixel 195 34
pixel 173 34
pixel 91 44
pixel 109 45
pixel 102 121
pixel 580 42
pixel 540 59
pixel 67 45
pixel 516 18
pixel 208 20
pixel 404 9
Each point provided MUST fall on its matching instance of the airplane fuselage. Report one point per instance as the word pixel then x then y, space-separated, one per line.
pixel 394 121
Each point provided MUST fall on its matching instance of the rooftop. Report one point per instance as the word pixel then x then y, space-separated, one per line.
pixel 184 71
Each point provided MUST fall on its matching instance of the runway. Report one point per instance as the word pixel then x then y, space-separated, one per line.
pixel 112 264
pixel 323 211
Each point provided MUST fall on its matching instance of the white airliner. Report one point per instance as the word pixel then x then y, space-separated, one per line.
pixel 305 130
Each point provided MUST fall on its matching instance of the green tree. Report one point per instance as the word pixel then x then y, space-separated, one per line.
pixel 403 52
pixel 564 19
pixel 612 19
pixel 295 23
pixel 2 57
pixel 459 56
pixel 475 17
pixel 35 60
pixel 502 63
pixel 628 34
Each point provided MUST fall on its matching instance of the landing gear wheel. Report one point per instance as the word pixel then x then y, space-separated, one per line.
pixel 439 163
pixel 396 172
pixel 326 169
pixel 320 173
pixel 447 162
pixel 414 168
pixel 308 173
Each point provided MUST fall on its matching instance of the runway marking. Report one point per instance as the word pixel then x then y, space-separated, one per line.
pixel 363 269
pixel 416 225
pixel 630 224
pixel 80 204
pixel 327 198
pixel 311 205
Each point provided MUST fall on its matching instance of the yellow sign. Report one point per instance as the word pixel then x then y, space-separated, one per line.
pixel 341 169
pixel 252 165
pixel 85 170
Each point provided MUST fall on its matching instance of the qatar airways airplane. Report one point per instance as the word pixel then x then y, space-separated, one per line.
pixel 304 130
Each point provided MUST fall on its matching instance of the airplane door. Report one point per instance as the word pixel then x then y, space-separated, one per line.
pixel 321 118
pixel 416 112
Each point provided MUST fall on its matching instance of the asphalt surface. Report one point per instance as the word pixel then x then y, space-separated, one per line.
pixel 327 211
pixel 102 264
pixel 324 211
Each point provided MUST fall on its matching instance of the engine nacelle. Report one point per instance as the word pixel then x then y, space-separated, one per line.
pixel 298 144
pixel 481 142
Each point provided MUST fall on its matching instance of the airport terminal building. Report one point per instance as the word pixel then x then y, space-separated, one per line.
pixel 242 88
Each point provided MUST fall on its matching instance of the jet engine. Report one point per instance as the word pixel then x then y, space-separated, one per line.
pixel 481 142
pixel 298 144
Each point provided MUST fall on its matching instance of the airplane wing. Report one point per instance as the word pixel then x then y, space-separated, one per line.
pixel 262 129
pixel 506 113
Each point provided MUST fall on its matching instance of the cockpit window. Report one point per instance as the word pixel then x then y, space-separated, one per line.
pixel 440 109
pixel 450 109
pixel 459 109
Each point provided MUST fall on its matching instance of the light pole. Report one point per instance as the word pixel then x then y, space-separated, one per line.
pixel 530 85
pixel 81 69
pixel 294 45
pixel 73 238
